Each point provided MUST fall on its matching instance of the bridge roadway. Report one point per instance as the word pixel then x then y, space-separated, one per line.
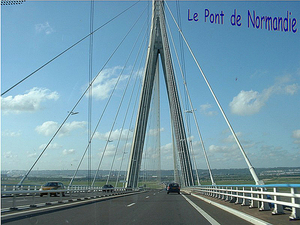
pixel 152 207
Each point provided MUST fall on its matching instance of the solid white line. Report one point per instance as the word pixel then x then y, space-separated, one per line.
pixel 131 204
pixel 237 213
pixel 202 212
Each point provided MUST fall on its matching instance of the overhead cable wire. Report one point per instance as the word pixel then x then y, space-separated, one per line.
pixel 125 145
pixel 90 101
pixel 183 63
pixel 131 120
pixel 108 98
pixel 139 51
pixel 71 112
pixel 76 43
pixel 251 168
pixel 193 111
pixel 121 99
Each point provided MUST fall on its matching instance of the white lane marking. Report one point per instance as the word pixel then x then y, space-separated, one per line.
pixel 237 213
pixel 60 206
pixel 131 204
pixel 202 212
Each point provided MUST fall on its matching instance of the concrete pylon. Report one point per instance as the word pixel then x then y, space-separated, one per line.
pixel 159 46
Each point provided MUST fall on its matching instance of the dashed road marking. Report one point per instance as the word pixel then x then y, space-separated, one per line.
pixel 131 204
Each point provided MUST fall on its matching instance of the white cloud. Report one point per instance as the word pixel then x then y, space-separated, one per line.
pixel 47 128
pixel 230 138
pixel 105 82
pixel 68 152
pixel 205 110
pixel 31 155
pixel 296 136
pixel 248 102
pixel 8 155
pixel 251 102
pixel 51 146
pixel 11 133
pixel 218 149
pixel 50 127
pixel 44 27
pixel 154 132
pixel 29 102
pixel 114 135
pixel 109 151
pixel 291 89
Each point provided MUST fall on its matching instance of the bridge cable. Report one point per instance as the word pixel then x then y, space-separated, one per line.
pixel 183 73
pixel 183 62
pixel 119 139
pixel 195 119
pixel 251 168
pixel 70 113
pixel 135 104
pixel 25 78
pixel 90 101
pixel 107 100
pixel 132 116
pixel 125 145
pixel 180 96
pixel 177 174
pixel 122 96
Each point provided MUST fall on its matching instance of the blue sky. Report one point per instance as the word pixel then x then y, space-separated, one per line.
pixel 254 72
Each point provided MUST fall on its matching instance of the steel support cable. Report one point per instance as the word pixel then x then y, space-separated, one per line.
pixel 132 110
pixel 90 91
pixel 183 62
pixel 139 51
pixel 146 162
pixel 70 113
pixel 193 112
pixel 25 78
pixel 251 168
pixel 152 121
pixel 127 139
pixel 135 104
pixel 79 100
pixel 121 99
pixel 177 156
pixel 137 154
pixel 181 129
pixel 137 167
pixel 106 102
pixel 158 140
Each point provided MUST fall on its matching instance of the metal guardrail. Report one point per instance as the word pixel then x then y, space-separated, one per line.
pixel 73 192
pixel 280 197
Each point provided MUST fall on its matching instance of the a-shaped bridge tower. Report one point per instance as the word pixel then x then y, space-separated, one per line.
pixel 159 46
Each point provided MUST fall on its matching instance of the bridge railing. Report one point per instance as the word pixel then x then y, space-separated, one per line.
pixel 69 193
pixel 264 197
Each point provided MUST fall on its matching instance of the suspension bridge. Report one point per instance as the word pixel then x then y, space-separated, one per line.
pixel 128 101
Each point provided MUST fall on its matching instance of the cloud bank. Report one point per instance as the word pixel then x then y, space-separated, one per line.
pixel 29 102
pixel 251 102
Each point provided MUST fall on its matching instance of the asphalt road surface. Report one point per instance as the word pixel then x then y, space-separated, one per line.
pixel 153 207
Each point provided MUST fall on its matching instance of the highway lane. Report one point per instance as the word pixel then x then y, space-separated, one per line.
pixel 151 207
pixel 7 202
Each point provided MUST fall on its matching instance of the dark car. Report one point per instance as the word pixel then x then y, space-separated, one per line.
pixel 52 185
pixel 108 188
pixel 173 187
